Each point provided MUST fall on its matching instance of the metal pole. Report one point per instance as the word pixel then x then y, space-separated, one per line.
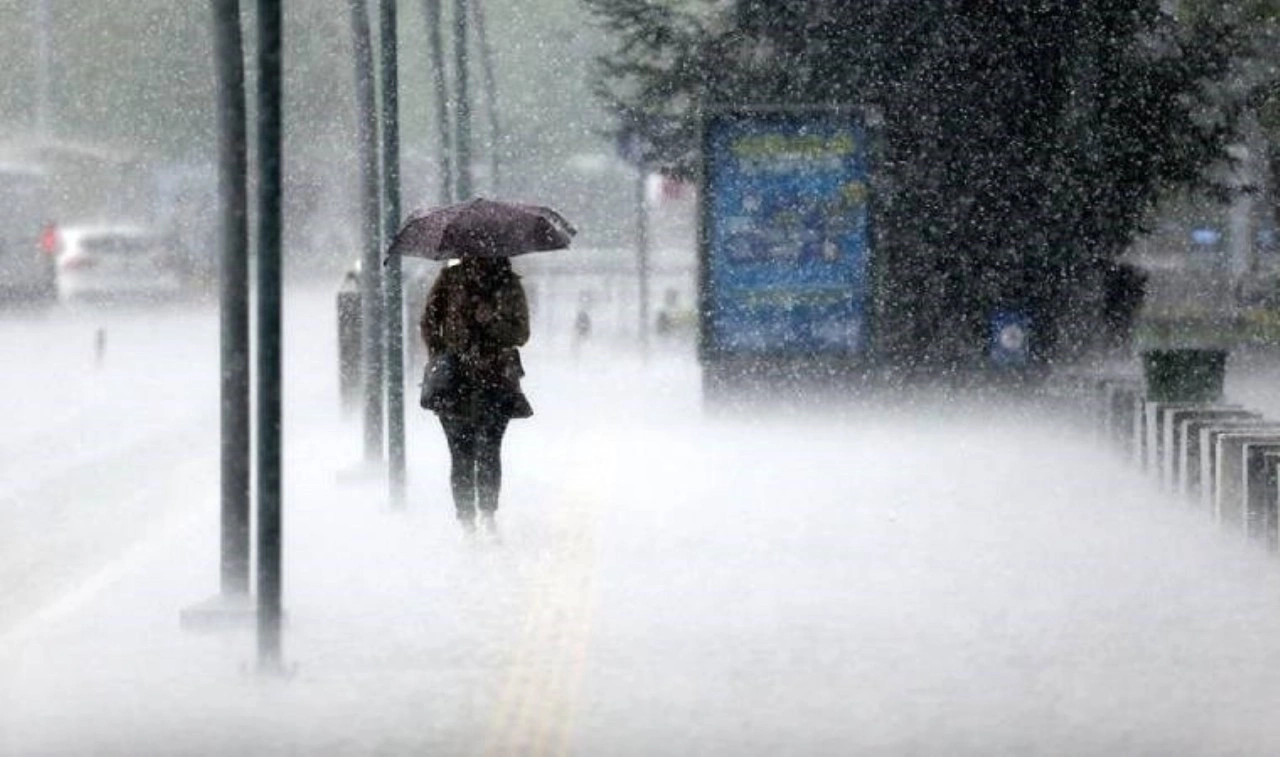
pixel 439 80
pixel 42 68
pixel 270 521
pixel 462 136
pixel 642 257
pixel 394 281
pixel 233 297
pixel 371 265
pixel 490 98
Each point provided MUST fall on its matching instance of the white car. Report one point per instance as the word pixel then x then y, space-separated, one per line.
pixel 114 261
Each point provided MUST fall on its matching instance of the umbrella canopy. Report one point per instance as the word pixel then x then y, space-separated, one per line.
pixel 481 228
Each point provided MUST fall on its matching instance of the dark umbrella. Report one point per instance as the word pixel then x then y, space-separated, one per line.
pixel 481 228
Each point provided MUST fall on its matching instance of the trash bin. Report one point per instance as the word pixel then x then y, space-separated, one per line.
pixel 349 327
pixel 1184 374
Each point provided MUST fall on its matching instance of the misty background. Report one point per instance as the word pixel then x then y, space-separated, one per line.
pixel 132 83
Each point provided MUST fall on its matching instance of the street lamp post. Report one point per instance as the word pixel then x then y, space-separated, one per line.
pixel 490 98
pixel 371 314
pixel 440 83
pixel 234 299
pixel 270 225
pixel 42 33
pixel 642 254
pixel 462 109
pixel 233 605
pixel 394 286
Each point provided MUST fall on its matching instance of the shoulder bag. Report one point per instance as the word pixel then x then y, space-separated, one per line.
pixel 439 381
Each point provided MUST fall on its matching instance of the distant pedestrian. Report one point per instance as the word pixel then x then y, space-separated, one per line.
pixel 99 346
pixel 581 323
pixel 666 321
pixel 477 315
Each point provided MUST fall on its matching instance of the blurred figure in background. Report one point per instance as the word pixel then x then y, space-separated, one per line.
pixel 582 322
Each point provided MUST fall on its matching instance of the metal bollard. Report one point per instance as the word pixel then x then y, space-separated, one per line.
pixel 1138 429
pixel 1211 473
pixel 1271 499
pixel 1171 443
pixel 1155 413
pixel 1258 484
pixel 1186 426
pixel 1229 454
pixel 1204 478
pixel 1184 377
pixel 349 328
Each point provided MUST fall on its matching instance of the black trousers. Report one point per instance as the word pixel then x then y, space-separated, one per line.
pixel 475 448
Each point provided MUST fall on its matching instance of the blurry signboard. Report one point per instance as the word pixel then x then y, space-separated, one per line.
pixel 785 238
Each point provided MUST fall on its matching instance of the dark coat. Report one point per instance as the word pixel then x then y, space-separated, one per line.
pixel 479 313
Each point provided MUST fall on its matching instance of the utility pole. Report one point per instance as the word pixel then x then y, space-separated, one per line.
pixel 394 280
pixel 42 25
pixel 270 499
pixel 490 98
pixel 642 254
pixel 462 134
pixel 233 604
pixel 371 343
pixel 635 150
pixel 439 80
pixel 234 298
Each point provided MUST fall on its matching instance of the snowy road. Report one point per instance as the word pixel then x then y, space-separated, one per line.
pixel 918 581
pixel 107 419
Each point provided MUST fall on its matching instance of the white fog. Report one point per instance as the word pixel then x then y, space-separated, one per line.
pixel 919 579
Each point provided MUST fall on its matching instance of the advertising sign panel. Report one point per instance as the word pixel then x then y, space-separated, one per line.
pixel 785 237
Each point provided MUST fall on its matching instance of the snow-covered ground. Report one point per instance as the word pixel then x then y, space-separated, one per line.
pixel 931 579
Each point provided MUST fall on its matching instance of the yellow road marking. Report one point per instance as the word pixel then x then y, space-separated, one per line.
pixel 535 712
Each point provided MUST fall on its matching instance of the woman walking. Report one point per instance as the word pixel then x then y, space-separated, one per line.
pixel 476 316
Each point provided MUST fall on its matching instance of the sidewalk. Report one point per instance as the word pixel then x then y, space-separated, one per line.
pixel 929 584
pixel 401 637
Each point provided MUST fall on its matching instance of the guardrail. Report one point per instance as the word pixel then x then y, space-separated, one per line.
pixel 1219 458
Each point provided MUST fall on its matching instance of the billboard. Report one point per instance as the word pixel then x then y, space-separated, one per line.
pixel 785 238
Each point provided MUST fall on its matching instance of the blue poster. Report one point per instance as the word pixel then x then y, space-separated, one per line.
pixel 786 233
